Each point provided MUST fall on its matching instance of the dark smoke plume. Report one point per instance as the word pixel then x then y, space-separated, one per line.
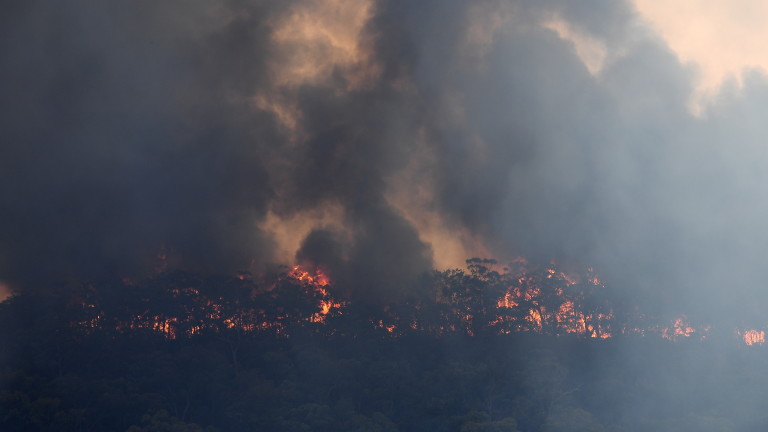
pixel 132 129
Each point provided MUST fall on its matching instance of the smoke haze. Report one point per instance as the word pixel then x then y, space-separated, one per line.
pixel 380 140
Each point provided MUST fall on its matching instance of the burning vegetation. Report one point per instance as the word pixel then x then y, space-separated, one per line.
pixel 485 299
pixel 478 349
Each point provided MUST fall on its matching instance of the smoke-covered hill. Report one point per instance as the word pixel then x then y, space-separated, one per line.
pixel 186 352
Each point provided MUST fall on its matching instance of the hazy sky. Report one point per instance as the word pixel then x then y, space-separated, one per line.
pixel 722 38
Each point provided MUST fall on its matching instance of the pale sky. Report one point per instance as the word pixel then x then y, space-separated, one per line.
pixel 722 37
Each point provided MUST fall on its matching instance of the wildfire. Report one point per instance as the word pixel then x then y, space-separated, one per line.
pixel 540 311
pixel 317 278
pixel 754 337
pixel 508 301
pixel 680 328
pixel 203 313
pixel 318 281
pixel 525 299
pixel 390 328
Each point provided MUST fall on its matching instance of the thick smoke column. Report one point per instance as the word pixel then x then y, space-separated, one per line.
pixel 121 138
pixel 378 139
pixel 144 129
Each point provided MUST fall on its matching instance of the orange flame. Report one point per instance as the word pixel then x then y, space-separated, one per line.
pixel 680 328
pixel 544 300
pixel 317 280
pixel 754 337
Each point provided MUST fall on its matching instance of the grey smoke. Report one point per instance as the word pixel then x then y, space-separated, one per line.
pixel 129 127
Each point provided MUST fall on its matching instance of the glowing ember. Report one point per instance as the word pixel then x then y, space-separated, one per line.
pixel 534 317
pixel 551 301
pixel 508 301
pixel 317 278
pixel 680 328
pixel 754 337
pixel 318 281
pixel 390 328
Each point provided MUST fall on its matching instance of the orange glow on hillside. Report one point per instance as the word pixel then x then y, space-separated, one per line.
pixel 317 278
pixel 556 311
pixel 214 314
pixel 319 281
pixel 754 337
pixel 680 329
pixel 488 299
